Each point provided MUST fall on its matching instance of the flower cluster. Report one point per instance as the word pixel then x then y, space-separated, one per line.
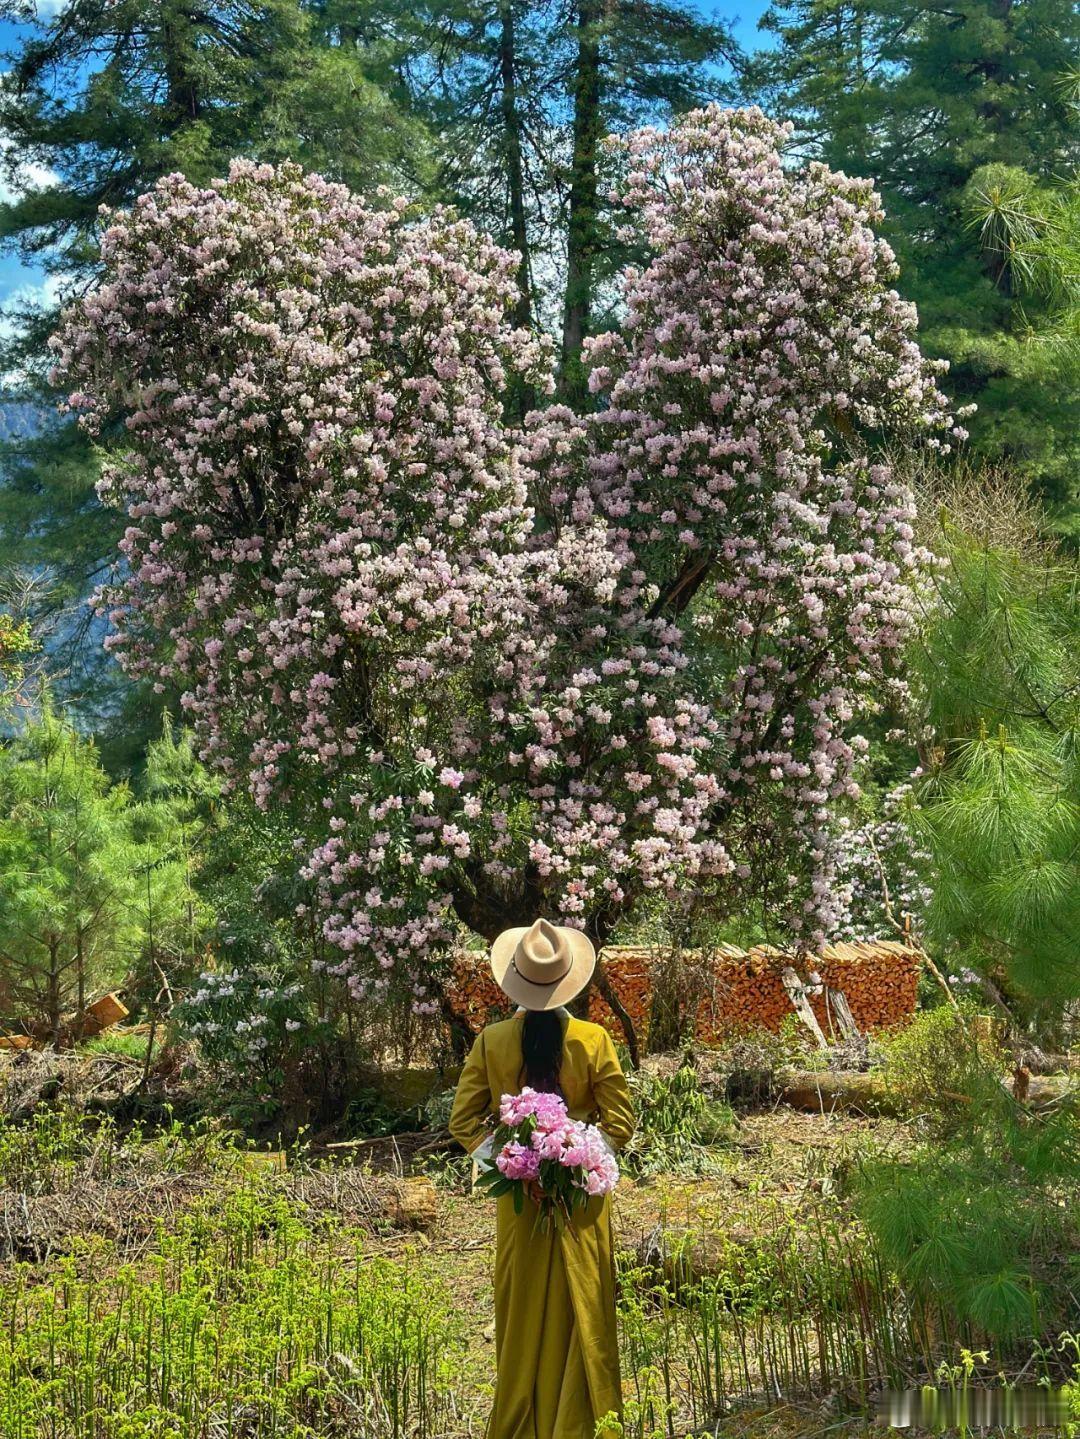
pixel 496 670
pixel 249 1015
pixel 536 1142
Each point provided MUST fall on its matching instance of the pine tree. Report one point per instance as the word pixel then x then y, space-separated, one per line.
pixel 94 884
pixel 480 72
pixel 819 73
pixel 998 803
pixel 974 1218
pixel 172 823
pixel 65 856
pixel 921 97
pixel 522 96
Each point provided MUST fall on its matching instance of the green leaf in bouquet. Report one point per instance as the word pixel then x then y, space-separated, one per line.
pixel 496 1183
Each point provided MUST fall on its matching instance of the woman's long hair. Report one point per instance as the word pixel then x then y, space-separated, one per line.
pixel 542 1049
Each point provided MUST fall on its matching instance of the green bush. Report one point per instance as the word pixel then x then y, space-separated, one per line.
pixel 678 1124
pixel 939 1065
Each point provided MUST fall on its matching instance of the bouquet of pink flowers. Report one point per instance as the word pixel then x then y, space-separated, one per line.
pixel 537 1143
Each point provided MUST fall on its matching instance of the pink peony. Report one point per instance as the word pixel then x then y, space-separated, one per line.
pixel 537 1131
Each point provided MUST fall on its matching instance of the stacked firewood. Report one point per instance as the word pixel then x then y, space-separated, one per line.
pixel 879 980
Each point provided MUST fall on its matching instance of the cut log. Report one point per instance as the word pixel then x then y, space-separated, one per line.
pixel 99 1016
pixel 820 1093
pixel 415 1204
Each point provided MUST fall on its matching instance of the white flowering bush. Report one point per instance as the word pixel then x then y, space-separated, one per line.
pixel 502 672
pixel 252 1013
pixel 883 869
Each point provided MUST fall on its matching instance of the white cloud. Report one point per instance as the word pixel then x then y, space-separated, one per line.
pixel 43 294
pixel 38 295
pixel 24 179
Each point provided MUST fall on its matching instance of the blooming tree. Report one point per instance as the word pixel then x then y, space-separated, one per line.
pixel 515 671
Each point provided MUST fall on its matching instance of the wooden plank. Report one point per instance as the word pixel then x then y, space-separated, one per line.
pixel 797 994
pixel 839 1007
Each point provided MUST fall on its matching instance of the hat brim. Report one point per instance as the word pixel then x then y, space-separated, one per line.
pixel 542 996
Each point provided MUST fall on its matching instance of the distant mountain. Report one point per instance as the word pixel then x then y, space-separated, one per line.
pixel 20 420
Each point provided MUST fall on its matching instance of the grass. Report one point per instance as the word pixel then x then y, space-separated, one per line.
pixel 113 1041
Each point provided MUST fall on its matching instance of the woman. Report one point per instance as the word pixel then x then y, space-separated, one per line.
pixel 556 1348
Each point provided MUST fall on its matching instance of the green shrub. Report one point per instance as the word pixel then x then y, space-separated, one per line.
pixel 753 1062
pixel 939 1066
pixel 437 1108
pixel 678 1124
pixel 57 1150
pixel 792 1303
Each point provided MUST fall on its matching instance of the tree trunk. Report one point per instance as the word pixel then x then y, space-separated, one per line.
pixel 80 971
pixel 581 233
pixel 614 1003
pixel 522 398
pixel 515 169
pixel 54 1006
pixel 182 95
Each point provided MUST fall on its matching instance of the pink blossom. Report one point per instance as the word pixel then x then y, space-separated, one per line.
pixel 634 647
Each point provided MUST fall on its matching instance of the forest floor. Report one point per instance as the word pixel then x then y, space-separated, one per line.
pixel 778 1157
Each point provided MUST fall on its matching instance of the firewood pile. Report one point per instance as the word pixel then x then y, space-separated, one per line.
pixel 878 979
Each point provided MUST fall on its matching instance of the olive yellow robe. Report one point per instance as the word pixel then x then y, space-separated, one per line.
pixel 556 1347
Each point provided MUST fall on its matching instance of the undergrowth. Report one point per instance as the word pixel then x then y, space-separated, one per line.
pixel 805 1304
pixel 980 1217
pixel 245 1322
pixel 57 1149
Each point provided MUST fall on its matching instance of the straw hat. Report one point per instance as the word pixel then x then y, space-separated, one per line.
pixel 542 965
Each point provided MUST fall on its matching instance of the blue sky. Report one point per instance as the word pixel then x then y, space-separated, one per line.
pixel 744 18
pixel 16 277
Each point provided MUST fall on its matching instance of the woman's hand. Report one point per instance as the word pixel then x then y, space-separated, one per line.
pixel 534 1191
